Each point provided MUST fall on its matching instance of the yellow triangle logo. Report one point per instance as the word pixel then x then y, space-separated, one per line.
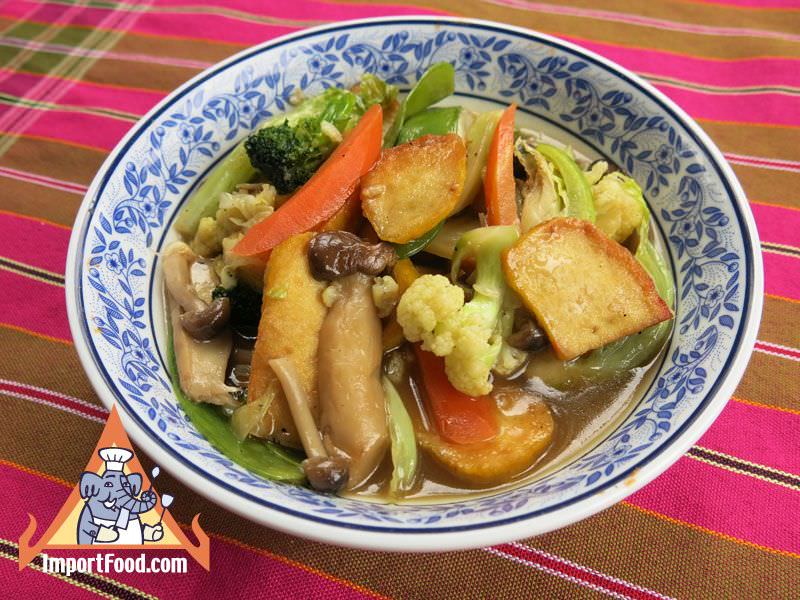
pixel 114 506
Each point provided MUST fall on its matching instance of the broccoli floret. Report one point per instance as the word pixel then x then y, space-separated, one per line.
pixel 469 335
pixel 245 305
pixel 289 155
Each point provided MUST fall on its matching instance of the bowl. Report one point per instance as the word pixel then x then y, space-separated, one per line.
pixel 702 216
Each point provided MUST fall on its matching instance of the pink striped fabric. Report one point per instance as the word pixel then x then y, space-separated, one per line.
pixel 782 275
pixel 86 94
pixel 739 506
pixel 776 224
pixel 47 316
pixel 755 434
pixel 33 242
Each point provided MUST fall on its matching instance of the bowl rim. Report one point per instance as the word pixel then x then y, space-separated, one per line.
pixel 386 538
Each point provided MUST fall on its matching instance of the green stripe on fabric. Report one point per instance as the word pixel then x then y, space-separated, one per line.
pixel 11 100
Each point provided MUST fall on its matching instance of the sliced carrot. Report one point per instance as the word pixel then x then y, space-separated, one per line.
pixel 459 418
pixel 325 193
pixel 498 184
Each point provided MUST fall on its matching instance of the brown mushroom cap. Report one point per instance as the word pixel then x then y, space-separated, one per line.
pixel 326 473
pixel 527 335
pixel 335 254
pixel 206 323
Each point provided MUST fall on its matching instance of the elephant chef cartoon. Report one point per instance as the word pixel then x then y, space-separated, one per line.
pixel 112 506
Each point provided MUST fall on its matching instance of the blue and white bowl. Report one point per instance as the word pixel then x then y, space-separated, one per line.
pixel 115 306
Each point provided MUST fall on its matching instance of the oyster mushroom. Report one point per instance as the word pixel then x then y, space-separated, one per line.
pixel 336 254
pixel 353 411
pixel 202 321
pixel 201 361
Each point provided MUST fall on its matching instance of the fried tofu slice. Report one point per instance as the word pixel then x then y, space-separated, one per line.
pixel 584 289
pixel 291 318
pixel 414 186
pixel 523 436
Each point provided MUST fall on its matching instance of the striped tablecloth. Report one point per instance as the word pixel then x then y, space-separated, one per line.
pixel 724 521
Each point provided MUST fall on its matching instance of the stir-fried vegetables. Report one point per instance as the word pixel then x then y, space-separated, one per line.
pixel 433 311
pixel 326 191
pixel 409 268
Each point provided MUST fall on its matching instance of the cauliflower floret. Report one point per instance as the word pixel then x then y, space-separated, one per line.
pixel 237 212
pixel 385 293
pixel 619 204
pixel 426 312
pixel 474 352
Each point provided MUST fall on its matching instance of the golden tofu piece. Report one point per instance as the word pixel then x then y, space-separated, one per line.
pixel 522 438
pixel 414 186
pixel 291 318
pixel 584 289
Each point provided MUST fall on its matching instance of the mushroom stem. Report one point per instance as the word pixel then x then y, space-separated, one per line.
pixel 298 405
pixel 325 473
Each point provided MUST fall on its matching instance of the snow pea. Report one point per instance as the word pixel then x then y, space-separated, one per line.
pixel 438 82
pixel 431 121
pixel 418 245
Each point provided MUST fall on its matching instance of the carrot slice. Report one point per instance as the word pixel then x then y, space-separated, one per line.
pixel 459 418
pixel 325 193
pixel 498 184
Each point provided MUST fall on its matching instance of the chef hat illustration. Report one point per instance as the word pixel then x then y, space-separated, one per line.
pixel 115 458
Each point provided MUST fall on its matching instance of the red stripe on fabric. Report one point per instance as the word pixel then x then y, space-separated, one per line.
pixel 701 494
pixel 62 401
pixel 246 573
pixel 777 224
pixel 722 72
pixel 131 100
pixel 71 127
pixel 594 578
pixel 35 243
pixel 778 350
pixel 759 435
pixel 773 109
pixel 33 305
pixel 781 275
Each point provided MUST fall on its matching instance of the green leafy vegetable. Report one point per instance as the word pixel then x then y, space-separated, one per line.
pixel 404 442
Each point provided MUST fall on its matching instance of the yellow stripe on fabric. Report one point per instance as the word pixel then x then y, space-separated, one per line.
pixel 36 334
pixel 718 534
pixel 35 273
pixel 768 406
pixel 733 469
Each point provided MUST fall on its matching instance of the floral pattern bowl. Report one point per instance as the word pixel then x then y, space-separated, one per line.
pixel 114 294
